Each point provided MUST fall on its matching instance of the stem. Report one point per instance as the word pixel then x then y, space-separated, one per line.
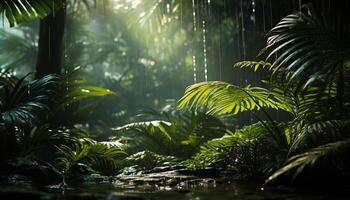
pixel 266 127
pixel 340 89
pixel 280 135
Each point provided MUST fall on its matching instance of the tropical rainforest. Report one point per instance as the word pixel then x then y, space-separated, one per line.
pixel 174 99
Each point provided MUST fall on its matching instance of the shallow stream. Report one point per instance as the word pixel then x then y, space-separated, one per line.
pixel 237 190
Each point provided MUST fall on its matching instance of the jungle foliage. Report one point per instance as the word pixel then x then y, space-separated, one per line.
pixel 63 121
pixel 309 80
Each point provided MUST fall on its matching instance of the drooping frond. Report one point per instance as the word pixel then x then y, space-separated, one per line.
pixel 330 161
pixel 17 11
pixel 222 98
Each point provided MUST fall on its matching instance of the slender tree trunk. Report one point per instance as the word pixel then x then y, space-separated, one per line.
pixel 49 59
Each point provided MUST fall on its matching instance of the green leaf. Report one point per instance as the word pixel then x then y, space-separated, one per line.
pixel 17 11
pixel 332 156
pixel 222 98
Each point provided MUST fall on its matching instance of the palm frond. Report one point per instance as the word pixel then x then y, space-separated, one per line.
pixel 152 128
pixel 153 17
pixel 70 156
pixel 222 98
pixel 173 131
pixel 309 50
pixel 77 5
pixel 116 143
pixel 98 156
pixel 26 103
pixel 255 65
pixel 17 11
pixel 106 159
pixel 311 105
pixel 317 133
pixel 197 124
pixel 326 162
pixel 42 137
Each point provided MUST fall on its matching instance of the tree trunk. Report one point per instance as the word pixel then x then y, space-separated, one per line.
pixel 51 35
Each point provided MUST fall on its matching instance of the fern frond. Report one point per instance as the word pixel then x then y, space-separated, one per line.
pixel 245 150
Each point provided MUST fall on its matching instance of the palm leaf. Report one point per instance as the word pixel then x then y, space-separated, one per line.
pixel 308 49
pixel 186 130
pixel 317 133
pixel 81 92
pixel 77 5
pixel 17 11
pixel 153 128
pixel 222 98
pixel 106 159
pixel 69 156
pixel 19 49
pixel 331 158
pixel 76 90
pixel 99 156
pixel 254 65
pixel 153 17
pixel 27 103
